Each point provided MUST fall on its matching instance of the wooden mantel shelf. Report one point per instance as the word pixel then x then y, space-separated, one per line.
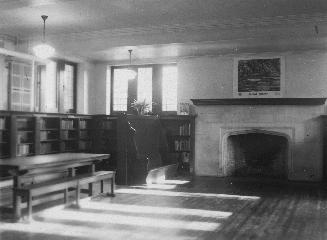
pixel 260 101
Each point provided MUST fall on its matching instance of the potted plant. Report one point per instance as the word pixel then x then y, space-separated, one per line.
pixel 141 107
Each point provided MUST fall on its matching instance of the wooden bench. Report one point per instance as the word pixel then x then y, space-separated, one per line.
pixel 32 190
pixel 90 178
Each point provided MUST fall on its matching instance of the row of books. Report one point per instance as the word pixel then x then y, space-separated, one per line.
pixel 68 135
pixel 67 124
pixel 84 124
pixel 25 123
pixel 182 145
pixel 25 137
pixel 24 149
pixel 48 135
pixel 185 129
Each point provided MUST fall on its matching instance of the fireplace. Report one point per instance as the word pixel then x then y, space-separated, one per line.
pixel 272 138
pixel 257 154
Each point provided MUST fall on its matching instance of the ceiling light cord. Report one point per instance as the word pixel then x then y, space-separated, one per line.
pixel 130 57
pixel 44 17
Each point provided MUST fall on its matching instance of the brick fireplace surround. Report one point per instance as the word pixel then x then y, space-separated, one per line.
pixel 297 120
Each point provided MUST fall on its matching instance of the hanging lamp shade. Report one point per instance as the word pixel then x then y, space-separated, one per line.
pixel 43 50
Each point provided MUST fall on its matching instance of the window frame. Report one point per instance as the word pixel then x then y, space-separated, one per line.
pixel 60 66
pixel 156 88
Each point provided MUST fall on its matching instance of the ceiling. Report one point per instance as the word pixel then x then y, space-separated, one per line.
pixel 103 30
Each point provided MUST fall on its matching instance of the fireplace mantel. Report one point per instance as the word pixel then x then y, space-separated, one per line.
pixel 260 101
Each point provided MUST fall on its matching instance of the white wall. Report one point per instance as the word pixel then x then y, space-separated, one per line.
pixel 85 74
pixel 98 91
pixel 212 77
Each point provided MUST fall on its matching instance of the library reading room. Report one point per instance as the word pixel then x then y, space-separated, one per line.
pixel 163 119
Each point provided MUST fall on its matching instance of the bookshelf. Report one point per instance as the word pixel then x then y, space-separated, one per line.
pixel 85 129
pixel 4 136
pixel 49 135
pixel 24 128
pixel 105 138
pixel 179 130
pixel 69 134
pixel 105 134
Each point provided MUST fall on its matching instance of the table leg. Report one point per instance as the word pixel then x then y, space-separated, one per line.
pixel 92 170
pixel 77 195
pixel 113 186
pixel 16 198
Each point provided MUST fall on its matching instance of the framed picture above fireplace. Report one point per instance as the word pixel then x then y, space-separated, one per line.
pixel 259 77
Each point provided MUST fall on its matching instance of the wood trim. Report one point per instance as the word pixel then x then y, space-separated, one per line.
pixel 259 101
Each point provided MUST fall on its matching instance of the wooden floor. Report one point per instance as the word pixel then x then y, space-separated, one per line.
pixel 207 208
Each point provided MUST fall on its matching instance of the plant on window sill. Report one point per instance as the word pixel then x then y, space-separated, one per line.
pixel 141 107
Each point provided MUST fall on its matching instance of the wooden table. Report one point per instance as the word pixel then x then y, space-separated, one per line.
pixel 20 166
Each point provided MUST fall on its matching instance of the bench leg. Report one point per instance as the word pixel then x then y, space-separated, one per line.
pixel 77 195
pixel 29 205
pixel 66 196
pixel 90 189
pixel 101 186
pixel 112 186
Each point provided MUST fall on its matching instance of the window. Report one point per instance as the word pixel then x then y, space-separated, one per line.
pixel 154 84
pixel 144 85
pixel 169 88
pixel 58 84
pixel 49 88
pixel 120 86
pixel 68 88
pixel 21 86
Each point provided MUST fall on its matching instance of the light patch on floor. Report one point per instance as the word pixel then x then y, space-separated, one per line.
pixel 130 220
pixel 128 208
pixel 185 194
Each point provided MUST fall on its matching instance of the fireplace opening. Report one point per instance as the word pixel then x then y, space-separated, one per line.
pixel 257 155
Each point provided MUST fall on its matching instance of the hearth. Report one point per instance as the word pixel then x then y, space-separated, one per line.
pixel 257 154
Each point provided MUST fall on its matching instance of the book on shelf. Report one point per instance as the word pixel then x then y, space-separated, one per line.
pixel 24 123
pixel 182 145
pixel 23 149
pixel 185 129
pixel 24 137
pixel 67 124
pixel 48 135
pixel 84 124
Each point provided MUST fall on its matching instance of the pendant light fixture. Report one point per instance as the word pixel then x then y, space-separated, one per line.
pixel 43 50
pixel 129 72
